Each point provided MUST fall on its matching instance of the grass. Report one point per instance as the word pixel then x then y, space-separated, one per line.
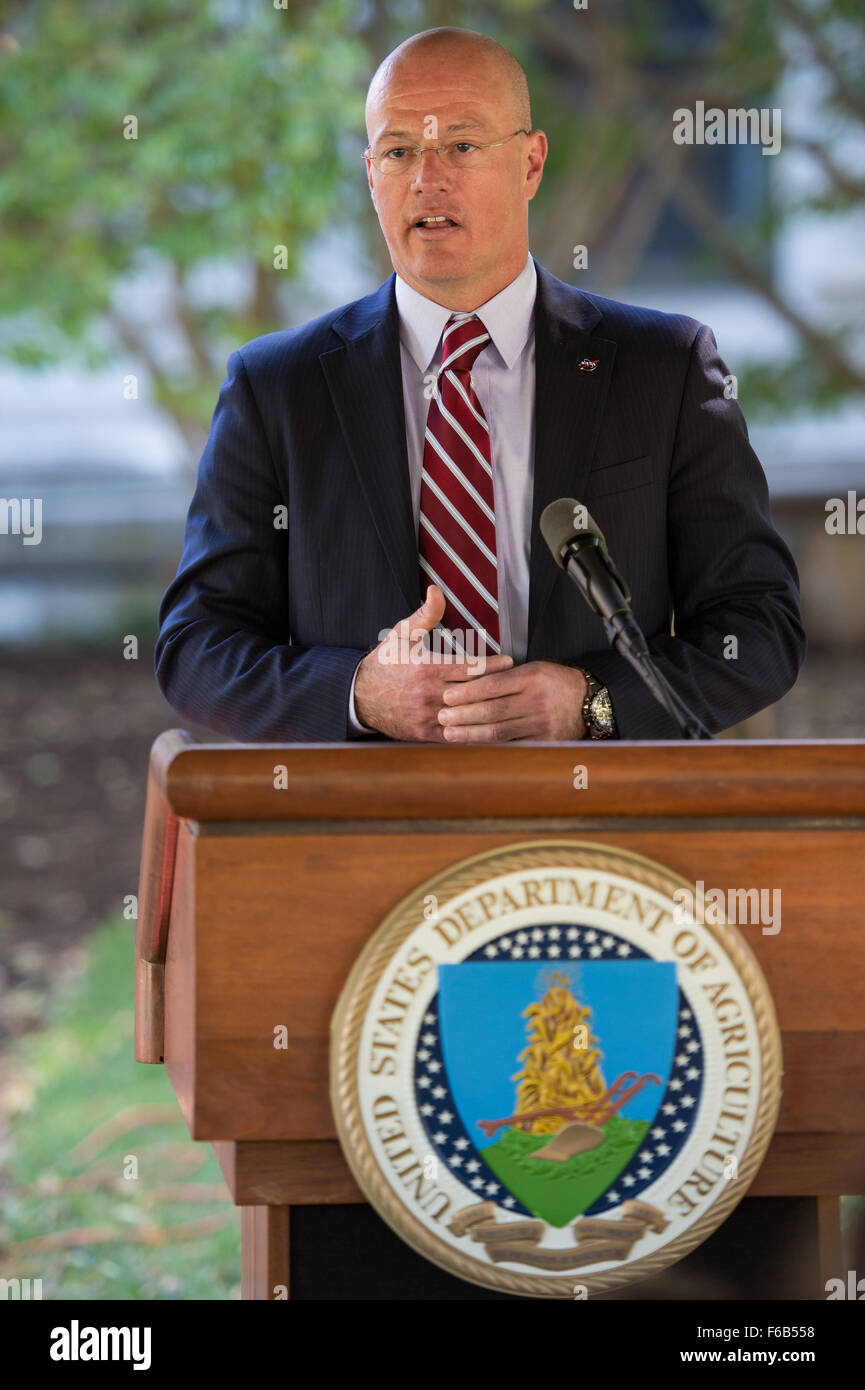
pixel 105 1196
pixel 557 1192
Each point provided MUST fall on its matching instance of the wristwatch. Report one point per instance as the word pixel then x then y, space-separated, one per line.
pixel 598 715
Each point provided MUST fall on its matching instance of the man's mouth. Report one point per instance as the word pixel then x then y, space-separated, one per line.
pixel 435 224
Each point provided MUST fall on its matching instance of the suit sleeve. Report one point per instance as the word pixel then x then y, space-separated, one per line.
pixel 738 641
pixel 224 654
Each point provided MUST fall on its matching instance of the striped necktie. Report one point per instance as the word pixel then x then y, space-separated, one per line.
pixel 457 524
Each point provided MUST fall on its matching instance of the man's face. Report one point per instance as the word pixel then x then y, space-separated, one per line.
pixel 463 264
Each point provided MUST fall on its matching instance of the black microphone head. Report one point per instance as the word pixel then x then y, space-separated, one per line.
pixel 562 522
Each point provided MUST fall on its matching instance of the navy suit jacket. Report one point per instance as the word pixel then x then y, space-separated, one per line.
pixel 264 624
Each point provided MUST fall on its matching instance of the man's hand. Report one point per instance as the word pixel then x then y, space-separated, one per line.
pixel 540 700
pixel 400 688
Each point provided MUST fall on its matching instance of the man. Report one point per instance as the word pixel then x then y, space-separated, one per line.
pixel 347 479
pixel 384 467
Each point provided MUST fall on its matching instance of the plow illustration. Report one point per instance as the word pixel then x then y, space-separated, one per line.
pixel 583 1129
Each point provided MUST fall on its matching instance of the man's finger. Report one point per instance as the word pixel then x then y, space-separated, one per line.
pixel 506 732
pixel 507 681
pixel 483 712
pixel 479 667
pixel 423 619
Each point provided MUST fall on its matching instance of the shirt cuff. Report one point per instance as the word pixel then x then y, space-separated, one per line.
pixel 352 712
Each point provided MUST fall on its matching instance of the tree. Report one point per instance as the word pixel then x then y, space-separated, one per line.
pixel 620 70
pixel 160 139
pixel 606 77
pixel 249 129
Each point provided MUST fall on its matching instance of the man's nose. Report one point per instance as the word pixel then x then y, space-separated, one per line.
pixel 430 166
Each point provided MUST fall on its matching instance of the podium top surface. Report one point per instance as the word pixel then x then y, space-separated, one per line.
pixel 408 781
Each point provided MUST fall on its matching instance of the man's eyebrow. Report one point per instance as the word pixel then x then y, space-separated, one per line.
pixel 455 125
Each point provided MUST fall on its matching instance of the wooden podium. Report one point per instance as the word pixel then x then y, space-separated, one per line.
pixel 265 868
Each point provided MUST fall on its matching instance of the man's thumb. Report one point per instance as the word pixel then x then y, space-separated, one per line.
pixel 431 611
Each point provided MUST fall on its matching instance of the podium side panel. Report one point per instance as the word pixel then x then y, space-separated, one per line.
pixel 180 1001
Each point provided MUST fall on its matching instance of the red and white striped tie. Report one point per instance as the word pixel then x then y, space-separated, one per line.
pixel 457 524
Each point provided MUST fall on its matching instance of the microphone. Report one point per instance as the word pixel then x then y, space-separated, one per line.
pixel 577 545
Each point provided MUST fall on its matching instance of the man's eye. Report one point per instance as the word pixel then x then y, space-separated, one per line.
pixel 464 146
pixel 396 153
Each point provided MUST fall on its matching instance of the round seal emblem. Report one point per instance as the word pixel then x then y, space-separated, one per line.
pixel 548 1076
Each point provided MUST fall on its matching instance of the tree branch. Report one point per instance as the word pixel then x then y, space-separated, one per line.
pixel 804 22
pixel 847 184
pixel 704 218
pixel 137 346
pixel 186 317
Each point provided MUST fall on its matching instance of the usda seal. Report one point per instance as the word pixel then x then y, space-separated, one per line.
pixel 543 1075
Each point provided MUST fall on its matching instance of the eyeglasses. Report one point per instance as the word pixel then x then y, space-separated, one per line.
pixel 456 154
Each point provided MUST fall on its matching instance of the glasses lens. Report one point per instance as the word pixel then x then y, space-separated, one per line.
pixel 404 159
pixel 396 159
pixel 463 155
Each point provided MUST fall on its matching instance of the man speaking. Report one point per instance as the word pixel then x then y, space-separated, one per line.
pixel 384 468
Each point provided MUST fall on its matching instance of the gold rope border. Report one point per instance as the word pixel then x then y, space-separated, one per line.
pixel 350 1013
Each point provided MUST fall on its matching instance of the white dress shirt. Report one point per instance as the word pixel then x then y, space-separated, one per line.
pixel 504 381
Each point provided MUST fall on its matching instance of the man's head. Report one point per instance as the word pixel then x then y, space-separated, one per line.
pixel 438 87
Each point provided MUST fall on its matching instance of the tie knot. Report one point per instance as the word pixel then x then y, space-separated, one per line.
pixel 464 337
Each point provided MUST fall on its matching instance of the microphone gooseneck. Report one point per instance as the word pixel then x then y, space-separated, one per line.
pixel 578 547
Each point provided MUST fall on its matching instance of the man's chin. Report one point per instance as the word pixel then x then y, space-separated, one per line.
pixel 437 266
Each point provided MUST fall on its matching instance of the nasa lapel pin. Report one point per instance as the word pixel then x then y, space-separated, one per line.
pixel 589 364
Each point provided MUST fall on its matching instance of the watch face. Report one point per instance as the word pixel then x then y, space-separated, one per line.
pixel 601 711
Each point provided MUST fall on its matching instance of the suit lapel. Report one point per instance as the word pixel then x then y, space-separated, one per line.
pixel 365 381
pixel 364 376
pixel 569 404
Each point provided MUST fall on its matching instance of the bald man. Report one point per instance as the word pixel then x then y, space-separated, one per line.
pixel 381 470
pixel 362 556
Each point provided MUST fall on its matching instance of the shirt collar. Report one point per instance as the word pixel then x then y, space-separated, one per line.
pixel 507 318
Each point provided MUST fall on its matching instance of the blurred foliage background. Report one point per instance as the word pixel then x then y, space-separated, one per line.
pixel 250 126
